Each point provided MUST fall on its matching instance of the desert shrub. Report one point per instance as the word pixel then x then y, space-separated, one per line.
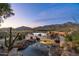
pixel 21 36
pixel 75 36
pixel 75 40
pixel 2 35
pixel 77 49
pixel 68 38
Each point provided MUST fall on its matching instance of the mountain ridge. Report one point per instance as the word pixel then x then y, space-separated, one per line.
pixel 48 27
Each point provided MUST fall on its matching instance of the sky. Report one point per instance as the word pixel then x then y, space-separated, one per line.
pixel 40 14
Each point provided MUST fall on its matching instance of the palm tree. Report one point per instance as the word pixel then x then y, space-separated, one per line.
pixel 5 11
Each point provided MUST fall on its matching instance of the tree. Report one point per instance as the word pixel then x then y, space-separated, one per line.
pixel 5 11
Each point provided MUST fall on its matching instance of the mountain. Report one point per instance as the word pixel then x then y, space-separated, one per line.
pixel 55 27
pixel 23 28
pixel 4 29
pixel 59 27
pixel 18 29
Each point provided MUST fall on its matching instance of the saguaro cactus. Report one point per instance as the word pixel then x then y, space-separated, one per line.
pixel 10 42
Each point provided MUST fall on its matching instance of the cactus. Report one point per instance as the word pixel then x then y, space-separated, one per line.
pixel 10 42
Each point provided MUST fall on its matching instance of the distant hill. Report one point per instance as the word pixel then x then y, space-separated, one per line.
pixel 4 29
pixel 57 27
pixel 18 29
pixel 23 28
